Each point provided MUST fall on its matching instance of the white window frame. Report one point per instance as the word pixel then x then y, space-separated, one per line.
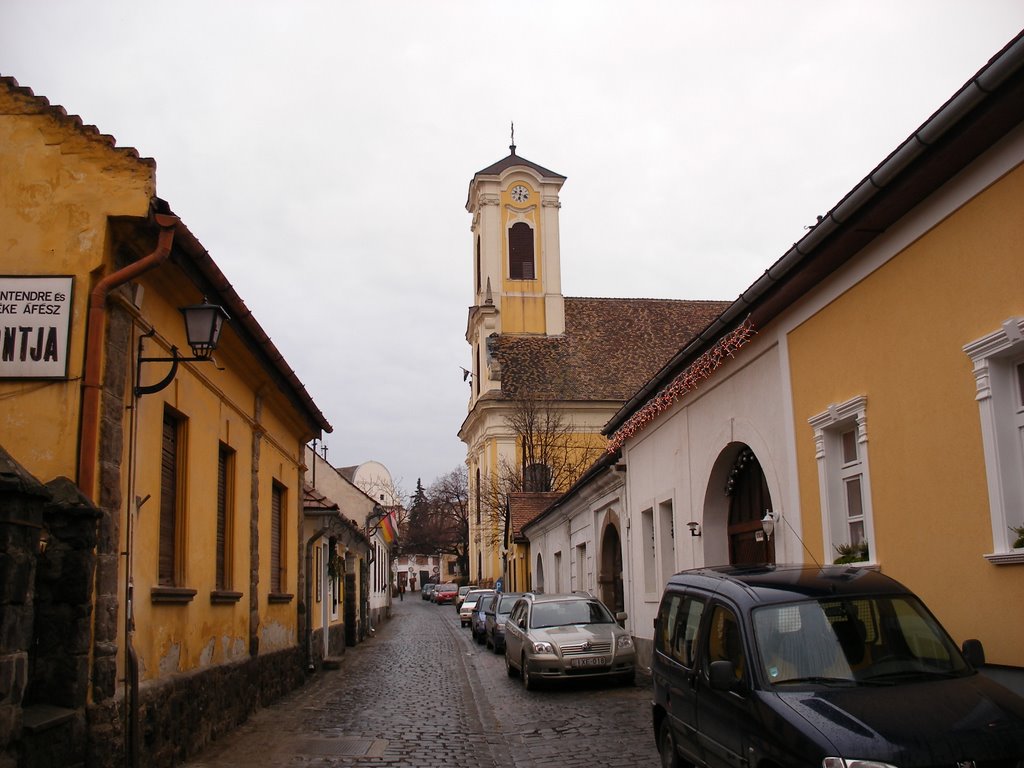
pixel 834 472
pixel 649 554
pixel 667 539
pixel 995 358
pixel 581 567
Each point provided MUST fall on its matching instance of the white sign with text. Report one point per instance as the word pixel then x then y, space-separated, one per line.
pixel 35 323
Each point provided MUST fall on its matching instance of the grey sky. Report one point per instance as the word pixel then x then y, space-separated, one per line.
pixel 322 151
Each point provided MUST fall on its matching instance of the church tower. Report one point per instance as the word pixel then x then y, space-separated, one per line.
pixel 517 284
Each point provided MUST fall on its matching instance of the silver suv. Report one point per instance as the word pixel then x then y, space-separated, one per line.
pixel 559 637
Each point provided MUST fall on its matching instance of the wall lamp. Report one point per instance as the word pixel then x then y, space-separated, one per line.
pixel 374 520
pixel 203 324
pixel 694 529
pixel 768 523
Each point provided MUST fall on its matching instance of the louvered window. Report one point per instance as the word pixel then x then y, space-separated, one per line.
pixel 479 279
pixel 520 252
pixel 225 505
pixel 169 467
pixel 277 511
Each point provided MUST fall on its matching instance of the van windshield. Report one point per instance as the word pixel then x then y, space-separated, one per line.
pixel 867 640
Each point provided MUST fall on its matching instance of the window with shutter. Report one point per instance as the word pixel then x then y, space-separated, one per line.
pixel 479 281
pixel 277 508
pixel 168 500
pixel 520 252
pixel 225 505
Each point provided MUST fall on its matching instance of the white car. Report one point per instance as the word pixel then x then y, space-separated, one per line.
pixel 469 603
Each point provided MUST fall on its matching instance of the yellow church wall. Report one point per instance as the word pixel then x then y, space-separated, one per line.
pixel 897 338
pixel 523 314
pixel 522 301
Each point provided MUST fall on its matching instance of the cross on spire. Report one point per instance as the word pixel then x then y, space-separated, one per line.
pixel 512 146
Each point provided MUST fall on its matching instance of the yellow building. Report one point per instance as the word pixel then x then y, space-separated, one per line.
pixel 198 483
pixel 548 371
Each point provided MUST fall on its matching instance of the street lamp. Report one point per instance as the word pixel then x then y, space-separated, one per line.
pixel 768 523
pixel 203 325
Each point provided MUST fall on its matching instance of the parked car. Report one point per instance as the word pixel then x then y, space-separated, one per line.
pixel 469 604
pixel 494 620
pixel 557 637
pixel 445 593
pixel 463 591
pixel 831 667
pixel 478 621
pixel 426 590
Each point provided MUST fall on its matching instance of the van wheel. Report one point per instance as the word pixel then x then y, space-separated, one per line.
pixel 667 747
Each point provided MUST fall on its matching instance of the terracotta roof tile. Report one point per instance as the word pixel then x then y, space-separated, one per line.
pixel 609 349
pixel 524 507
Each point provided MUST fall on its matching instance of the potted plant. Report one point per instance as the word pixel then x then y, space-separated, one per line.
pixel 1018 532
pixel 851 553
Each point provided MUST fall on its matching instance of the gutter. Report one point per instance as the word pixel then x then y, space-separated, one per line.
pixel 754 300
pixel 92 385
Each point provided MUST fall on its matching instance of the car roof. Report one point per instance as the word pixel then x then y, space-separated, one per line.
pixel 785 583
pixel 557 597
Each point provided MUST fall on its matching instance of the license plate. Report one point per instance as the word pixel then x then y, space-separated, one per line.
pixel 592 661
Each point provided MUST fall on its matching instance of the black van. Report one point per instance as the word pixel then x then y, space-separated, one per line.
pixel 833 667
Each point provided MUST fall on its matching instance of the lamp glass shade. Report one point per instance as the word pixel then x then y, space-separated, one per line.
pixel 768 523
pixel 203 324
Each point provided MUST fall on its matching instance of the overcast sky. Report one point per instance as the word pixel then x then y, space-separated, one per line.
pixel 322 152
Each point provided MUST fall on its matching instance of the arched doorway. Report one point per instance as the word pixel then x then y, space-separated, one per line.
pixel 749 500
pixel 610 576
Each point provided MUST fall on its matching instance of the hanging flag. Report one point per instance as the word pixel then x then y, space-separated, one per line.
pixel 388 529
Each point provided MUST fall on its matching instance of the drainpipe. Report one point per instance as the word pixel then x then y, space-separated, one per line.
pixel 92 386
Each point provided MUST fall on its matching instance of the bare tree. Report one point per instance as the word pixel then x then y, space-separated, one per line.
pixel 552 455
pixel 387 493
pixel 448 503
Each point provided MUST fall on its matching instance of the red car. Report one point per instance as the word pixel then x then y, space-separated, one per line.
pixel 445 593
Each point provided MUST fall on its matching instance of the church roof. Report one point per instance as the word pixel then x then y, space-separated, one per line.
pixel 512 161
pixel 610 348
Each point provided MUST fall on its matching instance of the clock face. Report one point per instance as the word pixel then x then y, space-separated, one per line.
pixel 520 193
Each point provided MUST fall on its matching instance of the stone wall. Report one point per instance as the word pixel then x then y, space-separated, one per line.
pixel 179 716
pixel 45 599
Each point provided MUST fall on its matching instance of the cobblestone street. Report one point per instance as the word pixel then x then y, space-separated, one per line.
pixel 422 694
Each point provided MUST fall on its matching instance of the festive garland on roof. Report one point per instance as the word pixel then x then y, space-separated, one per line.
pixel 686 381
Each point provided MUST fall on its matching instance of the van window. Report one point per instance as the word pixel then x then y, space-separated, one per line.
pixel 680 620
pixel 725 641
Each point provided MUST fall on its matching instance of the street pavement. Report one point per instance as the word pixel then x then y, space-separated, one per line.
pixel 422 694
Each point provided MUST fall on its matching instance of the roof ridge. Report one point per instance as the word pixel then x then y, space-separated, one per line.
pixel 61 115
pixel 651 299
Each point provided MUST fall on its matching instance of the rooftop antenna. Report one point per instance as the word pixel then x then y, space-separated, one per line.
pixel 512 146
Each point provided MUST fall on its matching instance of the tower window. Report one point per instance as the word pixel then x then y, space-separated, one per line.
pixel 520 252
pixel 478 278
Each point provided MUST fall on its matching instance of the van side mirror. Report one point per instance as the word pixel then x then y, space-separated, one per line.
pixel 974 652
pixel 722 675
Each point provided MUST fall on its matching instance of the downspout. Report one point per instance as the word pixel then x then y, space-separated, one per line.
pixel 92 385
pixel 88 449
